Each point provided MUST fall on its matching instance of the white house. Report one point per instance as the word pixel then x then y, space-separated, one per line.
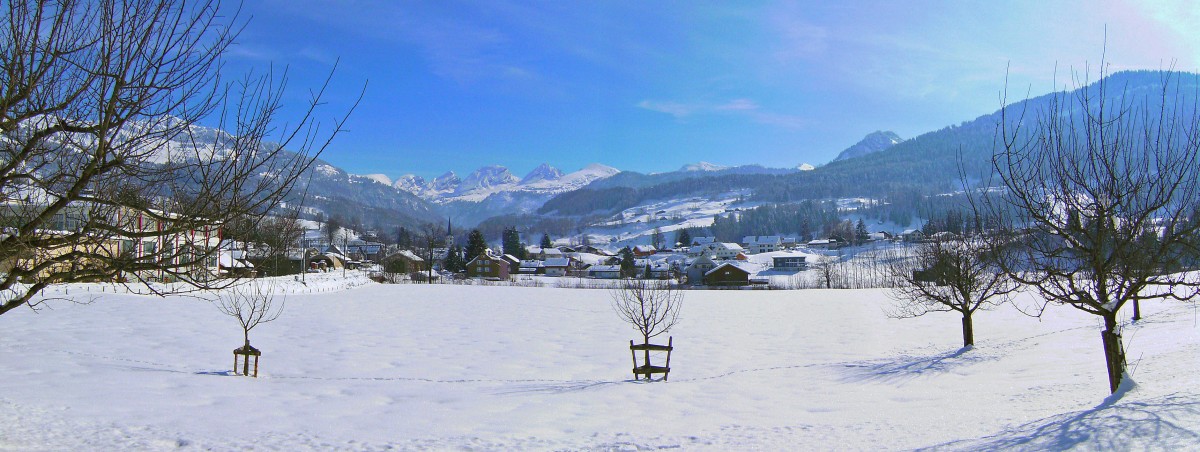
pixel 789 261
pixel 558 266
pixel 604 271
pixel 762 244
pixel 719 250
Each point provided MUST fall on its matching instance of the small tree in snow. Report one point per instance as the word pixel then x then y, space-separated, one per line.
pixel 252 304
pixel 650 306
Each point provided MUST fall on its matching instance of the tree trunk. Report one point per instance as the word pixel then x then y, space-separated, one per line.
pixel 1114 353
pixel 968 331
pixel 1137 311
pixel 646 361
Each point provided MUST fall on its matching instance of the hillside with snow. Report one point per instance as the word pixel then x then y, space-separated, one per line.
pixel 356 366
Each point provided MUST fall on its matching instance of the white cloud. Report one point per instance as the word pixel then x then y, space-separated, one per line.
pixel 739 107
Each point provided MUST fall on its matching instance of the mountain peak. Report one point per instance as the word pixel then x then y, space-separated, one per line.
pixel 702 166
pixel 487 177
pixel 870 144
pixel 600 168
pixel 381 178
pixel 541 173
pixel 410 183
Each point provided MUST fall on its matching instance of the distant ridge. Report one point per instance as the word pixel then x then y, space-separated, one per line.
pixel 872 143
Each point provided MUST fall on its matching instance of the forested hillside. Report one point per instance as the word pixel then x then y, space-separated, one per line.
pixel 901 177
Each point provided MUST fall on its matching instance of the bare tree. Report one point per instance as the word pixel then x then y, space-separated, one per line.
pixel 830 271
pixel 252 303
pixel 103 172
pixel 331 230
pixel 650 306
pixel 948 276
pixel 278 237
pixel 428 241
pixel 1105 182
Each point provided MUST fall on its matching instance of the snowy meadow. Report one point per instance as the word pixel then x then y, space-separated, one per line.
pixel 354 365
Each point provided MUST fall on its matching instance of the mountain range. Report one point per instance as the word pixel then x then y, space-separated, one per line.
pixel 898 174
pixel 494 179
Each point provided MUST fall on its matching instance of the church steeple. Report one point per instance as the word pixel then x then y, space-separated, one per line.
pixel 449 234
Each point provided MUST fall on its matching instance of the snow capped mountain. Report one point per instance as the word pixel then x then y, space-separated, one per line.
pixel 410 183
pixel 545 180
pixel 446 183
pixel 543 172
pixel 702 166
pixel 487 178
pixel 579 178
pixel 870 144
pixel 381 178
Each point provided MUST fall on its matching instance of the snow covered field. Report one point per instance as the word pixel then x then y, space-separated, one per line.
pixel 353 365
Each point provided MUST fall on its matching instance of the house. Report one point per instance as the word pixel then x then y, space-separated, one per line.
pixel 789 262
pixel 658 270
pixel 762 244
pixel 368 250
pixel 697 268
pixel 530 267
pixel 789 243
pixel 727 274
pixel 233 262
pixel 541 254
pixel 943 236
pixel 558 266
pixel 490 267
pixel 644 250
pixel 722 250
pixel 826 244
pixel 139 236
pixel 403 261
pixel 696 241
pixel 513 262
pixel 912 235
pixel 589 249
pixel 604 271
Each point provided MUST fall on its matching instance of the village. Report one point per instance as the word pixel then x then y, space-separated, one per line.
pixel 702 262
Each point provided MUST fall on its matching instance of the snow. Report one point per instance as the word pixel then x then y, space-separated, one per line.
pixel 328 170
pixel 381 178
pixel 702 166
pixel 492 180
pixel 636 225
pixel 353 365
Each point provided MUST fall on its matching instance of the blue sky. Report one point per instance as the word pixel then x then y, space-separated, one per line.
pixel 651 86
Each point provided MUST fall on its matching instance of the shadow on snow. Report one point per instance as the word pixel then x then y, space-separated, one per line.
pixel 907 367
pixel 1112 425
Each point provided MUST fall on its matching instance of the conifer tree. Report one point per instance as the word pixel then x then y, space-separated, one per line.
pixel 476 245
pixel 627 264
pixel 684 238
